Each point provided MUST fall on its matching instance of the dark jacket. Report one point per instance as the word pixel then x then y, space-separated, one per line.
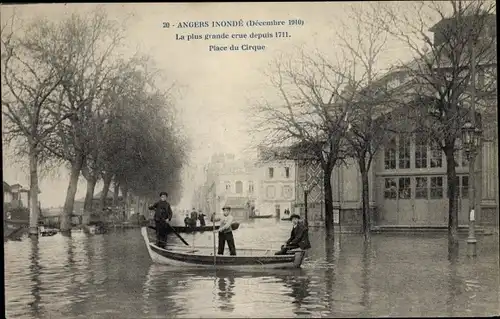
pixel 162 210
pixel 299 237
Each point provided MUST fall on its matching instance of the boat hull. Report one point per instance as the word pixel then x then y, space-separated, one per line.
pixel 184 229
pixel 185 259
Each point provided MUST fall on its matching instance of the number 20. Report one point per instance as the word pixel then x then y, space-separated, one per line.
pixel 166 25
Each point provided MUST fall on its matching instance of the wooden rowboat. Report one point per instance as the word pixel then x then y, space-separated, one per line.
pixel 184 229
pixel 262 216
pixel 246 259
pixel 188 229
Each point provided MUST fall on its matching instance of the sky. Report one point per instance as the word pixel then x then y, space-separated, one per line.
pixel 214 89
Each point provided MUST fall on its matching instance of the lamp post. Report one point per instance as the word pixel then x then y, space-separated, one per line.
pixel 306 192
pixel 471 138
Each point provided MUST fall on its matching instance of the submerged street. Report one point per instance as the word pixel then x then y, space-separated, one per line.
pixel 112 276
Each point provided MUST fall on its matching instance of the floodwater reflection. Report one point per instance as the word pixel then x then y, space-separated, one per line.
pixel 35 278
pixel 225 284
pixel 112 276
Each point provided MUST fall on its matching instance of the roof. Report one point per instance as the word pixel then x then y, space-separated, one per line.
pixel 450 21
pixel 236 202
pixel 6 187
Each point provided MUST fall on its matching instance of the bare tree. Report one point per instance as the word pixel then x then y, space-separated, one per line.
pixel 441 72
pixel 88 47
pixel 308 118
pixel 30 117
pixel 364 45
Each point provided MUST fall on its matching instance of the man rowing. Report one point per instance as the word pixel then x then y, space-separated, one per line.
pixel 299 237
pixel 163 213
pixel 226 233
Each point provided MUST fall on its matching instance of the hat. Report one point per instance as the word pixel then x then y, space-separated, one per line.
pixel 294 216
pixel 226 207
pixel 163 193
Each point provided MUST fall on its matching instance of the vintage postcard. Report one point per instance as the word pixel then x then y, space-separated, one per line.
pixel 250 160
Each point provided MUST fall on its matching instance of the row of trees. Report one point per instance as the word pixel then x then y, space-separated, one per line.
pixel 330 110
pixel 70 97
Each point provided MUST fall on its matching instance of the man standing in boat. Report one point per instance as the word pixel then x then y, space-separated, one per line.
pixel 194 218
pixel 201 218
pixel 226 233
pixel 163 213
pixel 299 237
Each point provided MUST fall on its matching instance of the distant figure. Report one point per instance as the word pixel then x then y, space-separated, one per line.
pixel 287 212
pixel 226 233
pixel 194 218
pixel 201 218
pixel 187 221
pixel 299 237
pixel 163 213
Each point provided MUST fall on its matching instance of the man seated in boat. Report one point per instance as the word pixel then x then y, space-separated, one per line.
pixel 226 232
pixel 187 220
pixel 163 213
pixel 299 237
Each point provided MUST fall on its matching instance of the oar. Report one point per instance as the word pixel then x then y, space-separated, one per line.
pixel 173 230
pixel 215 258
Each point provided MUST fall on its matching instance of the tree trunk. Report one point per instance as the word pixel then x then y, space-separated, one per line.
pixel 34 209
pixel 365 193
pixel 69 203
pixel 116 193
pixel 105 189
pixel 452 194
pixel 125 201
pixel 89 198
pixel 137 205
pixel 327 186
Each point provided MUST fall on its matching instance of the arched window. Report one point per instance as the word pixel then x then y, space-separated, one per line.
pixel 239 187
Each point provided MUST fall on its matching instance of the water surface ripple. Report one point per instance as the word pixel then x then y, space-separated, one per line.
pixel 112 276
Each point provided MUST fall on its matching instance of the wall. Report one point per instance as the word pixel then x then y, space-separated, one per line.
pixel 278 190
pixel 7 197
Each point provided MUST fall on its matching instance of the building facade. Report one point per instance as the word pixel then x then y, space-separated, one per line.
pixel 16 195
pixel 229 181
pixel 276 191
pixel 310 179
pixel 408 178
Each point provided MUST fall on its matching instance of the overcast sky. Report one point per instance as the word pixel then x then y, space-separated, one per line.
pixel 215 87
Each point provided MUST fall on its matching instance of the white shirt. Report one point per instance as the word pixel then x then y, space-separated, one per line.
pixel 226 222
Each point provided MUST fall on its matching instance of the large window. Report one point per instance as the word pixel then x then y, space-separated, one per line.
pixel 464 186
pixel 436 155
pixel 271 172
pixel 239 187
pixel 404 190
pixel 404 151
pixel 287 172
pixel 420 151
pixel 250 187
pixel 390 155
pixel 390 188
pixel 436 187
pixel 421 188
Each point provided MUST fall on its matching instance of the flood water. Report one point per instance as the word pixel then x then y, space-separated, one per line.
pixel 112 276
